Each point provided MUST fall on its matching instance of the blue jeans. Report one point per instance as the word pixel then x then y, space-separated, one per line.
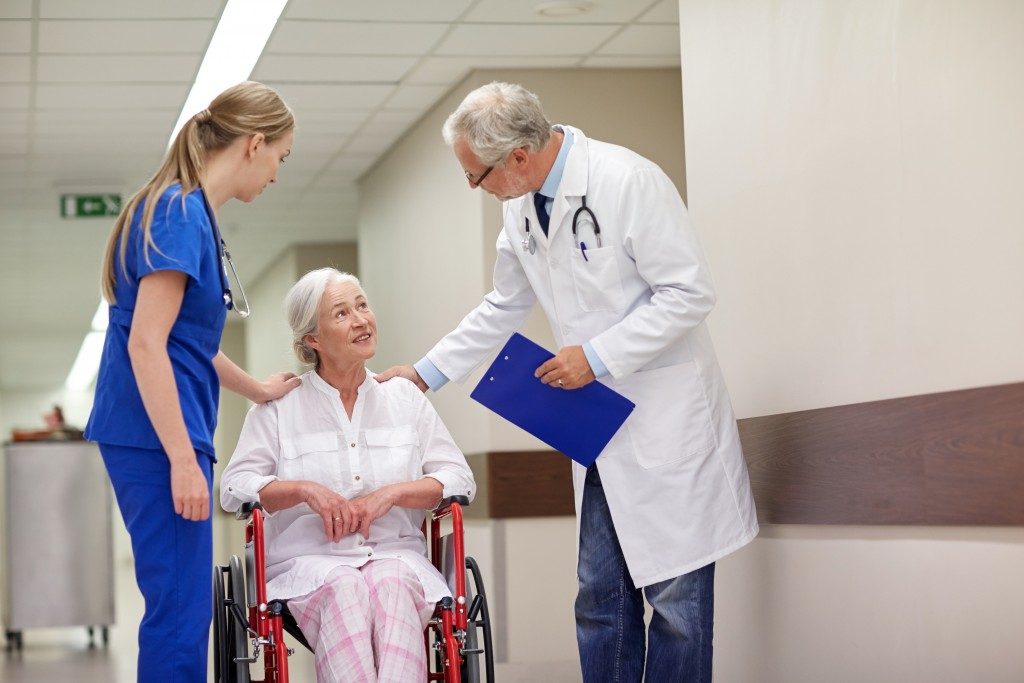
pixel 610 610
pixel 173 565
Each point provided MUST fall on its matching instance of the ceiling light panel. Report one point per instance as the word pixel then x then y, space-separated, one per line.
pixel 91 37
pixel 15 37
pixel 130 9
pixel 652 39
pixel 533 40
pixel 333 68
pixel 113 68
pixel 393 10
pixel 354 38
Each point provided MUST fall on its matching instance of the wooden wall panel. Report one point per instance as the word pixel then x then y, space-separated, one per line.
pixel 953 458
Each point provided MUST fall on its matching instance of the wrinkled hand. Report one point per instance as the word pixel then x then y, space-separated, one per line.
pixel 335 510
pixel 371 507
pixel 189 492
pixel 406 371
pixel 278 384
pixel 569 369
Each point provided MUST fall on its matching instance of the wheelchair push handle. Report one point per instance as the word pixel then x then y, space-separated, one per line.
pixel 245 512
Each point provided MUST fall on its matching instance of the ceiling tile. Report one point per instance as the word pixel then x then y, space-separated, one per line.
pixel 606 11
pixel 532 40
pixel 114 37
pixel 331 37
pixel 665 12
pixel 110 96
pixel 16 9
pixel 450 70
pixel 647 39
pixel 630 62
pixel 328 121
pixel 332 68
pixel 418 97
pixel 392 10
pixel 15 37
pixel 114 68
pixel 12 143
pixel 360 96
pixel 10 120
pixel 130 9
pixel 14 96
pixel 351 164
pixel 15 68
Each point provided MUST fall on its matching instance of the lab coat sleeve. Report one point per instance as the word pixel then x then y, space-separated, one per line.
pixel 441 458
pixel 660 239
pixel 501 312
pixel 253 465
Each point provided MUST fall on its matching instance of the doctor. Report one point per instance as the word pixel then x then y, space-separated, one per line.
pixel 626 289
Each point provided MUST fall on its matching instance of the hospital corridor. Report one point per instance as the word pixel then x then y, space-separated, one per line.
pixel 477 341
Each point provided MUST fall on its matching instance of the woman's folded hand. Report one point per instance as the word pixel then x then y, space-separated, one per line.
pixel 335 510
pixel 371 507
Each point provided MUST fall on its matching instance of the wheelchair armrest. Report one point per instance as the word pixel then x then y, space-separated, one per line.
pixel 447 502
pixel 245 512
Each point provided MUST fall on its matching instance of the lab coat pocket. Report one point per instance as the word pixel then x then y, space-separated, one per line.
pixel 597 280
pixel 672 420
pixel 393 453
pixel 309 456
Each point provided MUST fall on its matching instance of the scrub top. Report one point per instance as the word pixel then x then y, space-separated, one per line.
pixel 185 241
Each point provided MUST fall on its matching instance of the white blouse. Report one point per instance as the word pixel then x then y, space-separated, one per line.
pixel 395 435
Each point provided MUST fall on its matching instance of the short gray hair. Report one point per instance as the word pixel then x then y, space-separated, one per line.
pixel 497 118
pixel 302 307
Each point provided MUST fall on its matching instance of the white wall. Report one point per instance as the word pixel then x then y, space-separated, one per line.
pixel 853 168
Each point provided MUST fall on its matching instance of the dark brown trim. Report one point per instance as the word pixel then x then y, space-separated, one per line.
pixel 954 458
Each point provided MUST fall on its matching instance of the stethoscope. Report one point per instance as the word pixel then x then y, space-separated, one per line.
pixel 530 243
pixel 225 263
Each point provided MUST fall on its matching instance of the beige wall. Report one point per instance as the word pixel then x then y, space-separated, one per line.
pixel 853 169
pixel 426 256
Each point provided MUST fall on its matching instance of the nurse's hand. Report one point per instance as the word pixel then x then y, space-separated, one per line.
pixel 406 371
pixel 569 369
pixel 279 384
pixel 334 509
pixel 188 490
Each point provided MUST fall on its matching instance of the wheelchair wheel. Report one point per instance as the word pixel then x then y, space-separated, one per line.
pixel 237 636
pixel 220 622
pixel 478 628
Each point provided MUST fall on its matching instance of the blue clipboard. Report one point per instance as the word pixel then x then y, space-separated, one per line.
pixel 578 423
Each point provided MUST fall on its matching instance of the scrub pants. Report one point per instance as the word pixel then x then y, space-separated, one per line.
pixel 173 564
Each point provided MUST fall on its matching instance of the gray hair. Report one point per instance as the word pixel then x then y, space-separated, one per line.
pixel 497 118
pixel 302 307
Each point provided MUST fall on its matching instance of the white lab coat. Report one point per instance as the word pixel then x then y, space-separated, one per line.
pixel 674 475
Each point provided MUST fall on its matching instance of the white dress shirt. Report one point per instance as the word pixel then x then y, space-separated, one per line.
pixel 394 435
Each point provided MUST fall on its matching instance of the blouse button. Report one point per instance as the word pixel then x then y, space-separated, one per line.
pixel 352 445
pixel 369 552
pixel 356 477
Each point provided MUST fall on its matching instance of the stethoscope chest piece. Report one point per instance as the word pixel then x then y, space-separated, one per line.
pixel 530 244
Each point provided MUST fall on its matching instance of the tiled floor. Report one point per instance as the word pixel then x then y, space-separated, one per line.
pixel 63 655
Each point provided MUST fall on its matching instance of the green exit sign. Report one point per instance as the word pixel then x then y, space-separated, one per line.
pixel 90 205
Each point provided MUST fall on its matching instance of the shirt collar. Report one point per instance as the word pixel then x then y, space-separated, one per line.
pixel 321 385
pixel 550 187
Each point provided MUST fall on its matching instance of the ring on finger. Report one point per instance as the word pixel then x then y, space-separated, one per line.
pixel 561 383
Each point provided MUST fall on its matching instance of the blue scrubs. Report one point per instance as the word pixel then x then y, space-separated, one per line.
pixel 173 556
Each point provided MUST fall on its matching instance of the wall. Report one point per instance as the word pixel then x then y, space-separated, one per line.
pixel 426 256
pixel 853 169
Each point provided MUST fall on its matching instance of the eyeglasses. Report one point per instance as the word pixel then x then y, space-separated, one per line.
pixel 476 183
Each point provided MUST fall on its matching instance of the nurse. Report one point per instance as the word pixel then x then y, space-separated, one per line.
pixel 155 407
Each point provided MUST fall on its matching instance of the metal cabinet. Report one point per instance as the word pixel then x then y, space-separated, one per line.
pixel 58 539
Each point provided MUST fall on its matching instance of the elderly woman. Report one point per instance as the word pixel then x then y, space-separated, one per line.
pixel 345 467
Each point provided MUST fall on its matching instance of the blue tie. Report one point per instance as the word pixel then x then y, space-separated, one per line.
pixel 539 201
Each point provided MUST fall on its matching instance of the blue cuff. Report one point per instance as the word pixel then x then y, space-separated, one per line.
pixel 596 364
pixel 434 378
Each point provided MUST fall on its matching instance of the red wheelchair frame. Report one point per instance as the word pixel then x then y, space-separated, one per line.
pixel 242 615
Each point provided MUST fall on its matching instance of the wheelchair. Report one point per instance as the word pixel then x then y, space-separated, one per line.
pixel 246 625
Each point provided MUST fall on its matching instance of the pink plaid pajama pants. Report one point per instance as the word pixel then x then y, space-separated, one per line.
pixel 366 624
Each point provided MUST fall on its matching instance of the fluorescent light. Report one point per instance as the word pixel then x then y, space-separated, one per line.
pixel 236 46
pixel 87 364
